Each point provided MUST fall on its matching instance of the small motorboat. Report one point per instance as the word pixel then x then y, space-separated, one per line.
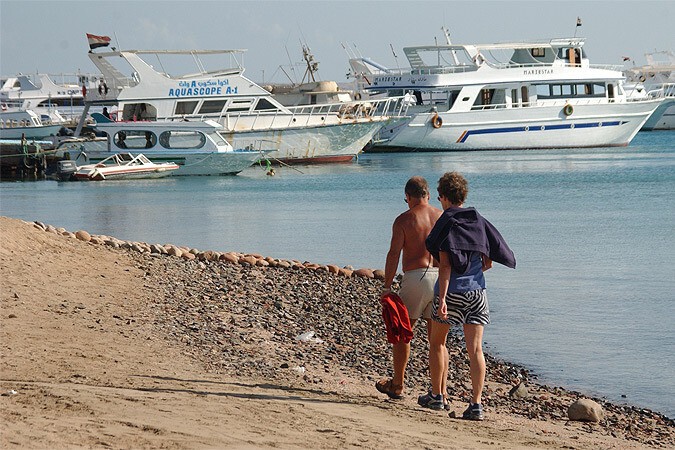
pixel 124 166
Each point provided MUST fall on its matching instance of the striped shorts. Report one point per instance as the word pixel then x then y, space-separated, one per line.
pixel 464 308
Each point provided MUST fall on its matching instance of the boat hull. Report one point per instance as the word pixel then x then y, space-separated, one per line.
pixel 30 132
pixel 195 163
pixel 123 173
pixel 524 128
pixel 663 118
pixel 319 144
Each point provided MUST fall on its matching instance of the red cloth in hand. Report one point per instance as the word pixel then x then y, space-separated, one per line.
pixel 396 319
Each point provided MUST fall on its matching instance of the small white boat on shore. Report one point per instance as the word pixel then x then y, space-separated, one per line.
pixel 196 147
pixel 124 166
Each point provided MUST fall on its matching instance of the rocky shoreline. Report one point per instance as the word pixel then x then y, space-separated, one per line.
pixel 311 325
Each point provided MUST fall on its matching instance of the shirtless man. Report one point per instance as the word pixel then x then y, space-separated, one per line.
pixel 409 232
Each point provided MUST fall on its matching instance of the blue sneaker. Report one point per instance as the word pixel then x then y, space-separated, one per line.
pixel 473 412
pixel 431 401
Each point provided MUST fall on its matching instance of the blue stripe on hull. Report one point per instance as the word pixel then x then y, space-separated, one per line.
pixel 565 126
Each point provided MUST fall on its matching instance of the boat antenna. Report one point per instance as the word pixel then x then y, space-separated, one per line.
pixel 117 41
pixel 291 67
pixel 447 39
pixel 395 57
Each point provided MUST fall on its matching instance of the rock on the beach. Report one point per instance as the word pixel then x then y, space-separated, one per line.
pixel 378 274
pixel 229 257
pixel 519 391
pixel 83 235
pixel 174 251
pixel 365 273
pixel 188 256
pixel 586 410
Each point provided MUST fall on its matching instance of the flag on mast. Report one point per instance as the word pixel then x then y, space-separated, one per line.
pixel 97 41
pixel 578 21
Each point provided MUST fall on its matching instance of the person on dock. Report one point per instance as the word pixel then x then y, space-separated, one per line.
pixel 465 244
pixel 409 232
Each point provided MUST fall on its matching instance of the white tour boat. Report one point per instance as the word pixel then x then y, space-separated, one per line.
pixel 196 147
pixel 506 96
pixel 657 78
pixel 124 166
pixel 303 134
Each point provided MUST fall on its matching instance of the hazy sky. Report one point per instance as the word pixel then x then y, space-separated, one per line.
pixel 49 36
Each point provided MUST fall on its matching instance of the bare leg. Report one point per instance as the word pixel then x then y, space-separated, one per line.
pixel 401 352
pixel 401 355
pixel 445 362
pixel 438 356
pixel 473 334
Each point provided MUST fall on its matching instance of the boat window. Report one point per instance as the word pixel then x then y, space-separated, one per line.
pixel 135 139
pixel 484 100
pixel 525 95
pixel 599 89
pixel 539 52
pixel 182 139
pixel 239 105
pixel 514 98
pixel 212 106
pixel 185 107
pixel 264 104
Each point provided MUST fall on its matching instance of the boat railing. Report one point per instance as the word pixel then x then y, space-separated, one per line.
pixel 440 70
pixel 557 63
pixel 664 90
pixel 309 115
pixel 558 102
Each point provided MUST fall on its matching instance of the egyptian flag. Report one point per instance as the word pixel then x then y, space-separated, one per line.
pixel 97 41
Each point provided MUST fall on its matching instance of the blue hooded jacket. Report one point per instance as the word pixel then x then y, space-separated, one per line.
pixel 461 231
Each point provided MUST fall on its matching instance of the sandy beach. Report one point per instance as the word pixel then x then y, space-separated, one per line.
pixel 111 344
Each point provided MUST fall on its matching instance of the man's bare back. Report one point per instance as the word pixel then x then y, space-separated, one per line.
pixel 415 224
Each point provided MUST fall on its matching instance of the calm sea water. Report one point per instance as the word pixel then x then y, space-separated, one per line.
pixel 589 307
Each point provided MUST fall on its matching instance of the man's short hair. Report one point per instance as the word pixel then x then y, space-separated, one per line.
pixel 454 187
pixel 417 187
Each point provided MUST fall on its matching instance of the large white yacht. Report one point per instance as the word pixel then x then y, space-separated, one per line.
pixel 311 133
pixel 657 78
pixel 506 96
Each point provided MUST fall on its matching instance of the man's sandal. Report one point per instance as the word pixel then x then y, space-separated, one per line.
pixel 387 386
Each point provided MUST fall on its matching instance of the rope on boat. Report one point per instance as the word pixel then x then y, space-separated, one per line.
pixel 281 163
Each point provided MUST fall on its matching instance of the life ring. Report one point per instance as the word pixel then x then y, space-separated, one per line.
pixel 436 121
pixel 568 109
pixel 357 96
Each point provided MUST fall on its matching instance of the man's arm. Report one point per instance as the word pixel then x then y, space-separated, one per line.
pixel 394 254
